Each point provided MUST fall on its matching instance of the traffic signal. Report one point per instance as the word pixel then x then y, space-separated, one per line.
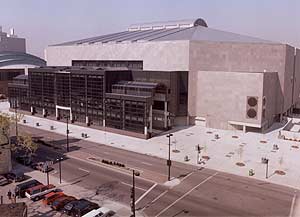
pixel 131 193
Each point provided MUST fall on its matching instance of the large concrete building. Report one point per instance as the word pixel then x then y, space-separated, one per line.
pixel 234 81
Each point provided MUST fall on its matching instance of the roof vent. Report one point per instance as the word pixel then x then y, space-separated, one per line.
pixel 168 25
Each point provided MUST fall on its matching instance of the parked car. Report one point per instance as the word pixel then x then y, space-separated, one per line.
pixel 16 176
pixel 52 196
pixel 3 181
pixel 101 212
pixel 39 191
pixel 59 203
pixel 80 207
pixel 24 159
pixel 21 188
pixel 41 166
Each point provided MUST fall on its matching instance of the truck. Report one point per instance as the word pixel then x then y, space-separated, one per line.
pixel 37 192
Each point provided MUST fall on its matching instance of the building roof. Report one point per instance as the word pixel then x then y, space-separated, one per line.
pixel 192 30
pixel 13 210
pixel 18 58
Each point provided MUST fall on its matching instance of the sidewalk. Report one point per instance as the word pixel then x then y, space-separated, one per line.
pixel 223 153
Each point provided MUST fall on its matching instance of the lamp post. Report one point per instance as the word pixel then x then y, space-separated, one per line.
pixel 59 166
pixel 16 119
pixel 169 162
pixel 47 172
pixel 67 133
pixel 132 195
pixel 267 167
pixel 198 149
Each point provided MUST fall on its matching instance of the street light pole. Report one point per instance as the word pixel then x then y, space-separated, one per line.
pixel 47 171
pixel 198 153
pixel 59 166
pixel 67 133
pixel 267 167
pixel 134 173
pixel 16 119
pixel 169 162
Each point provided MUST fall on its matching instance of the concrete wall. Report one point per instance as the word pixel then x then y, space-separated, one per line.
pixel 271 92
pixel 297 80
pixel 244 57
pixel 222 97
pixel 288 77
pixel 164 56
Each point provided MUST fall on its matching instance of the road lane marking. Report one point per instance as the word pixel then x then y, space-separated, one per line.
pixel 292 205
pixel 142 189
pixel 84 170
pixel 54 172
pixel 187 176
pixel 141 197
pixel 187 193
pixel 145 163
pixel 154 200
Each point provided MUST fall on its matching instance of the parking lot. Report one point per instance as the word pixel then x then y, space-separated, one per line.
pixel 37 208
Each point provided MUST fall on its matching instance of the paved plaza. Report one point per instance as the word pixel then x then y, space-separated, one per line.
pixel 224 152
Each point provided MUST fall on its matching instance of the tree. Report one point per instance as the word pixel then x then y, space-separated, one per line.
pixel 25 143
pixel 5 122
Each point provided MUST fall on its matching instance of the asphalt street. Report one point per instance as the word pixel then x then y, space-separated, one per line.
pixel 200 192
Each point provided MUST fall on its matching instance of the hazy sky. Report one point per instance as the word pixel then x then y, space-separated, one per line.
pixel 45 22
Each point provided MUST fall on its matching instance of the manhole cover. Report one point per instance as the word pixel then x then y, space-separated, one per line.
pixel 240 164
pixel 280 172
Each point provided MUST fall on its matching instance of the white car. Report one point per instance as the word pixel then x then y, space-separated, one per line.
pixel 101 212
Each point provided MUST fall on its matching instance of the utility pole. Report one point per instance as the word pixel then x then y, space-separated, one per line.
pixel 132 193
pixel 169 162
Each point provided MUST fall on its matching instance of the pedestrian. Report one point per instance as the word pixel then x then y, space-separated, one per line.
pixel 9 194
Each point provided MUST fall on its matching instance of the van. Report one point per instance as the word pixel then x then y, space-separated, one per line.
pixel 21 188
pixel 37 192
pixel 101 212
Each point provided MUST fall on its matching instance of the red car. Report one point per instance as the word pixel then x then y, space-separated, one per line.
pixel 61 202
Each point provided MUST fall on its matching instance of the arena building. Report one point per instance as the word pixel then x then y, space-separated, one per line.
pixel 232 81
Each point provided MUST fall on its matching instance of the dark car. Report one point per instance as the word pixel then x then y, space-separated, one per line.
pixel 79 207
pixel 21 188
pixel 59 203
pixel 16 176
pixel 3 181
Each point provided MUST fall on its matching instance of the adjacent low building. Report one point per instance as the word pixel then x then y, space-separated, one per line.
pixel 14 60
pixel 122 100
